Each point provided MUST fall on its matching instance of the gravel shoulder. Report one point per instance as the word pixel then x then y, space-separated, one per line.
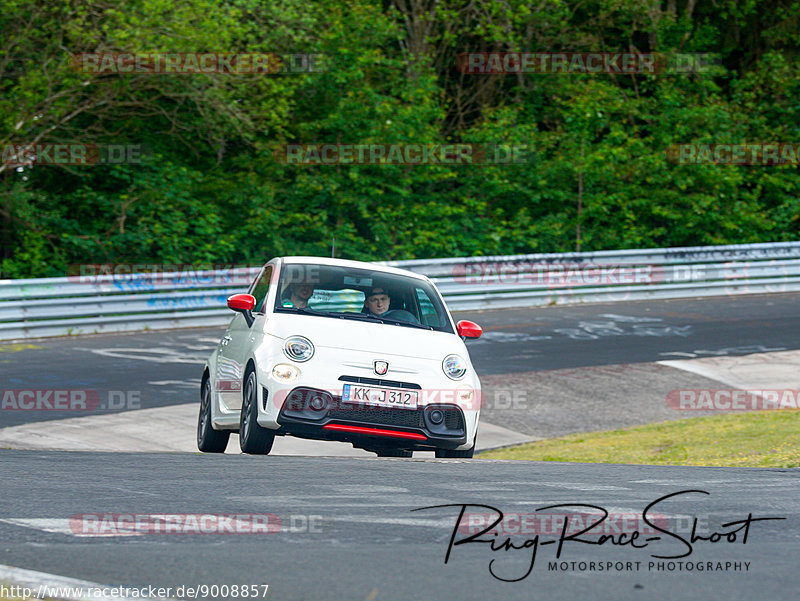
pixel 557 402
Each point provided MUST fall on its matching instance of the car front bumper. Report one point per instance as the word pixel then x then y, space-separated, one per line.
pixel 318 414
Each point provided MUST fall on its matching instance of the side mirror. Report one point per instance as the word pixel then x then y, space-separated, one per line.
pixel 469 329
pixel 244 304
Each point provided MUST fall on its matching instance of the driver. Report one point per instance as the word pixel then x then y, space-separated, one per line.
pixel 377 301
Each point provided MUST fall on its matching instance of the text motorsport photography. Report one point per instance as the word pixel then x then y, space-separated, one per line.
pixel 654 534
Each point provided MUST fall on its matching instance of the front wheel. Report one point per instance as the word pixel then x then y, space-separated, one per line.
pixel 394 453
pixel 452 454
pixel 209 440
pixel 253 438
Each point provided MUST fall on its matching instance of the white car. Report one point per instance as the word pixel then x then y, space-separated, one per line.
pixel 330 349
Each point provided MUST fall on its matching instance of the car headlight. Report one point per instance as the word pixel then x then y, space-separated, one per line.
pixel 298 348
pixel 454 367
pixel 283 372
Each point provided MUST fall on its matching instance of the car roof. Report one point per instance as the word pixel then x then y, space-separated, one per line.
pixel 354 264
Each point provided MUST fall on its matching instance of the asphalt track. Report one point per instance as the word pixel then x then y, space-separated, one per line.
pixel 367 543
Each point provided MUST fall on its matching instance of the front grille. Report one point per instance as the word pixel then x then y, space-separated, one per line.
pixel 378 415
pixel 378 382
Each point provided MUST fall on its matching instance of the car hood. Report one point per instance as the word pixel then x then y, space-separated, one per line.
pixel 349 334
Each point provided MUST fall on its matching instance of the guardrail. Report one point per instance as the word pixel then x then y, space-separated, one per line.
pixel 142 301
pixel 476 283
pixel 91 304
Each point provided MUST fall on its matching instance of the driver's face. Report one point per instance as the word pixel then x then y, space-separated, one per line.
pixel 378 303
pixel 303 291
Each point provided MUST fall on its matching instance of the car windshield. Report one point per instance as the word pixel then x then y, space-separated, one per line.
pixel 361 295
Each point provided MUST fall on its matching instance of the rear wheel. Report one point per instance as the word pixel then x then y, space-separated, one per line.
pixel 209 440
pixel 253 439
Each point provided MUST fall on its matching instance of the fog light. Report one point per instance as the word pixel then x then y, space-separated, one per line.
pixel 466 399
pixel 317 403
pixel 436 417
pixel 283 372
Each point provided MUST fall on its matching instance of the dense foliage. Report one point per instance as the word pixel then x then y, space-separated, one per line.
pixel 598 176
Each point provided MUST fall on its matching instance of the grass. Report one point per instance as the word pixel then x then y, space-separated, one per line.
pixel 16 347
pixel 754 439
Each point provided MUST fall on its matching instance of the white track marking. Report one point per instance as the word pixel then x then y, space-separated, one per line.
pixel 181 383
pixel 372 519
pixel 582 486
pixel 361 489
pixel 57 526
pixel 663 482
pixel 758 371
pixel 162 355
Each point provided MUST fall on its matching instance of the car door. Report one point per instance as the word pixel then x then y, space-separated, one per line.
pixel 236 343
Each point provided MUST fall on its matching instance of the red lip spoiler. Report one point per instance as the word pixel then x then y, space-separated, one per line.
pixel 374 431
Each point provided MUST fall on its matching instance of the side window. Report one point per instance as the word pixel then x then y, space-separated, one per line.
pixel 429 315
pixel 261 289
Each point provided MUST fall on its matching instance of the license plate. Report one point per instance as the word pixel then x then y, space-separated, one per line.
pixel 381 397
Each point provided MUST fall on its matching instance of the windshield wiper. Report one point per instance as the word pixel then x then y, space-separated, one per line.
pixel 359 316
pixel 305 310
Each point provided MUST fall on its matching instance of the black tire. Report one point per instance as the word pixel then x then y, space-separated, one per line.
pixel 209 440
pixel 448 454
pixel 394 453
pixel 452 454
pixel 253 439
